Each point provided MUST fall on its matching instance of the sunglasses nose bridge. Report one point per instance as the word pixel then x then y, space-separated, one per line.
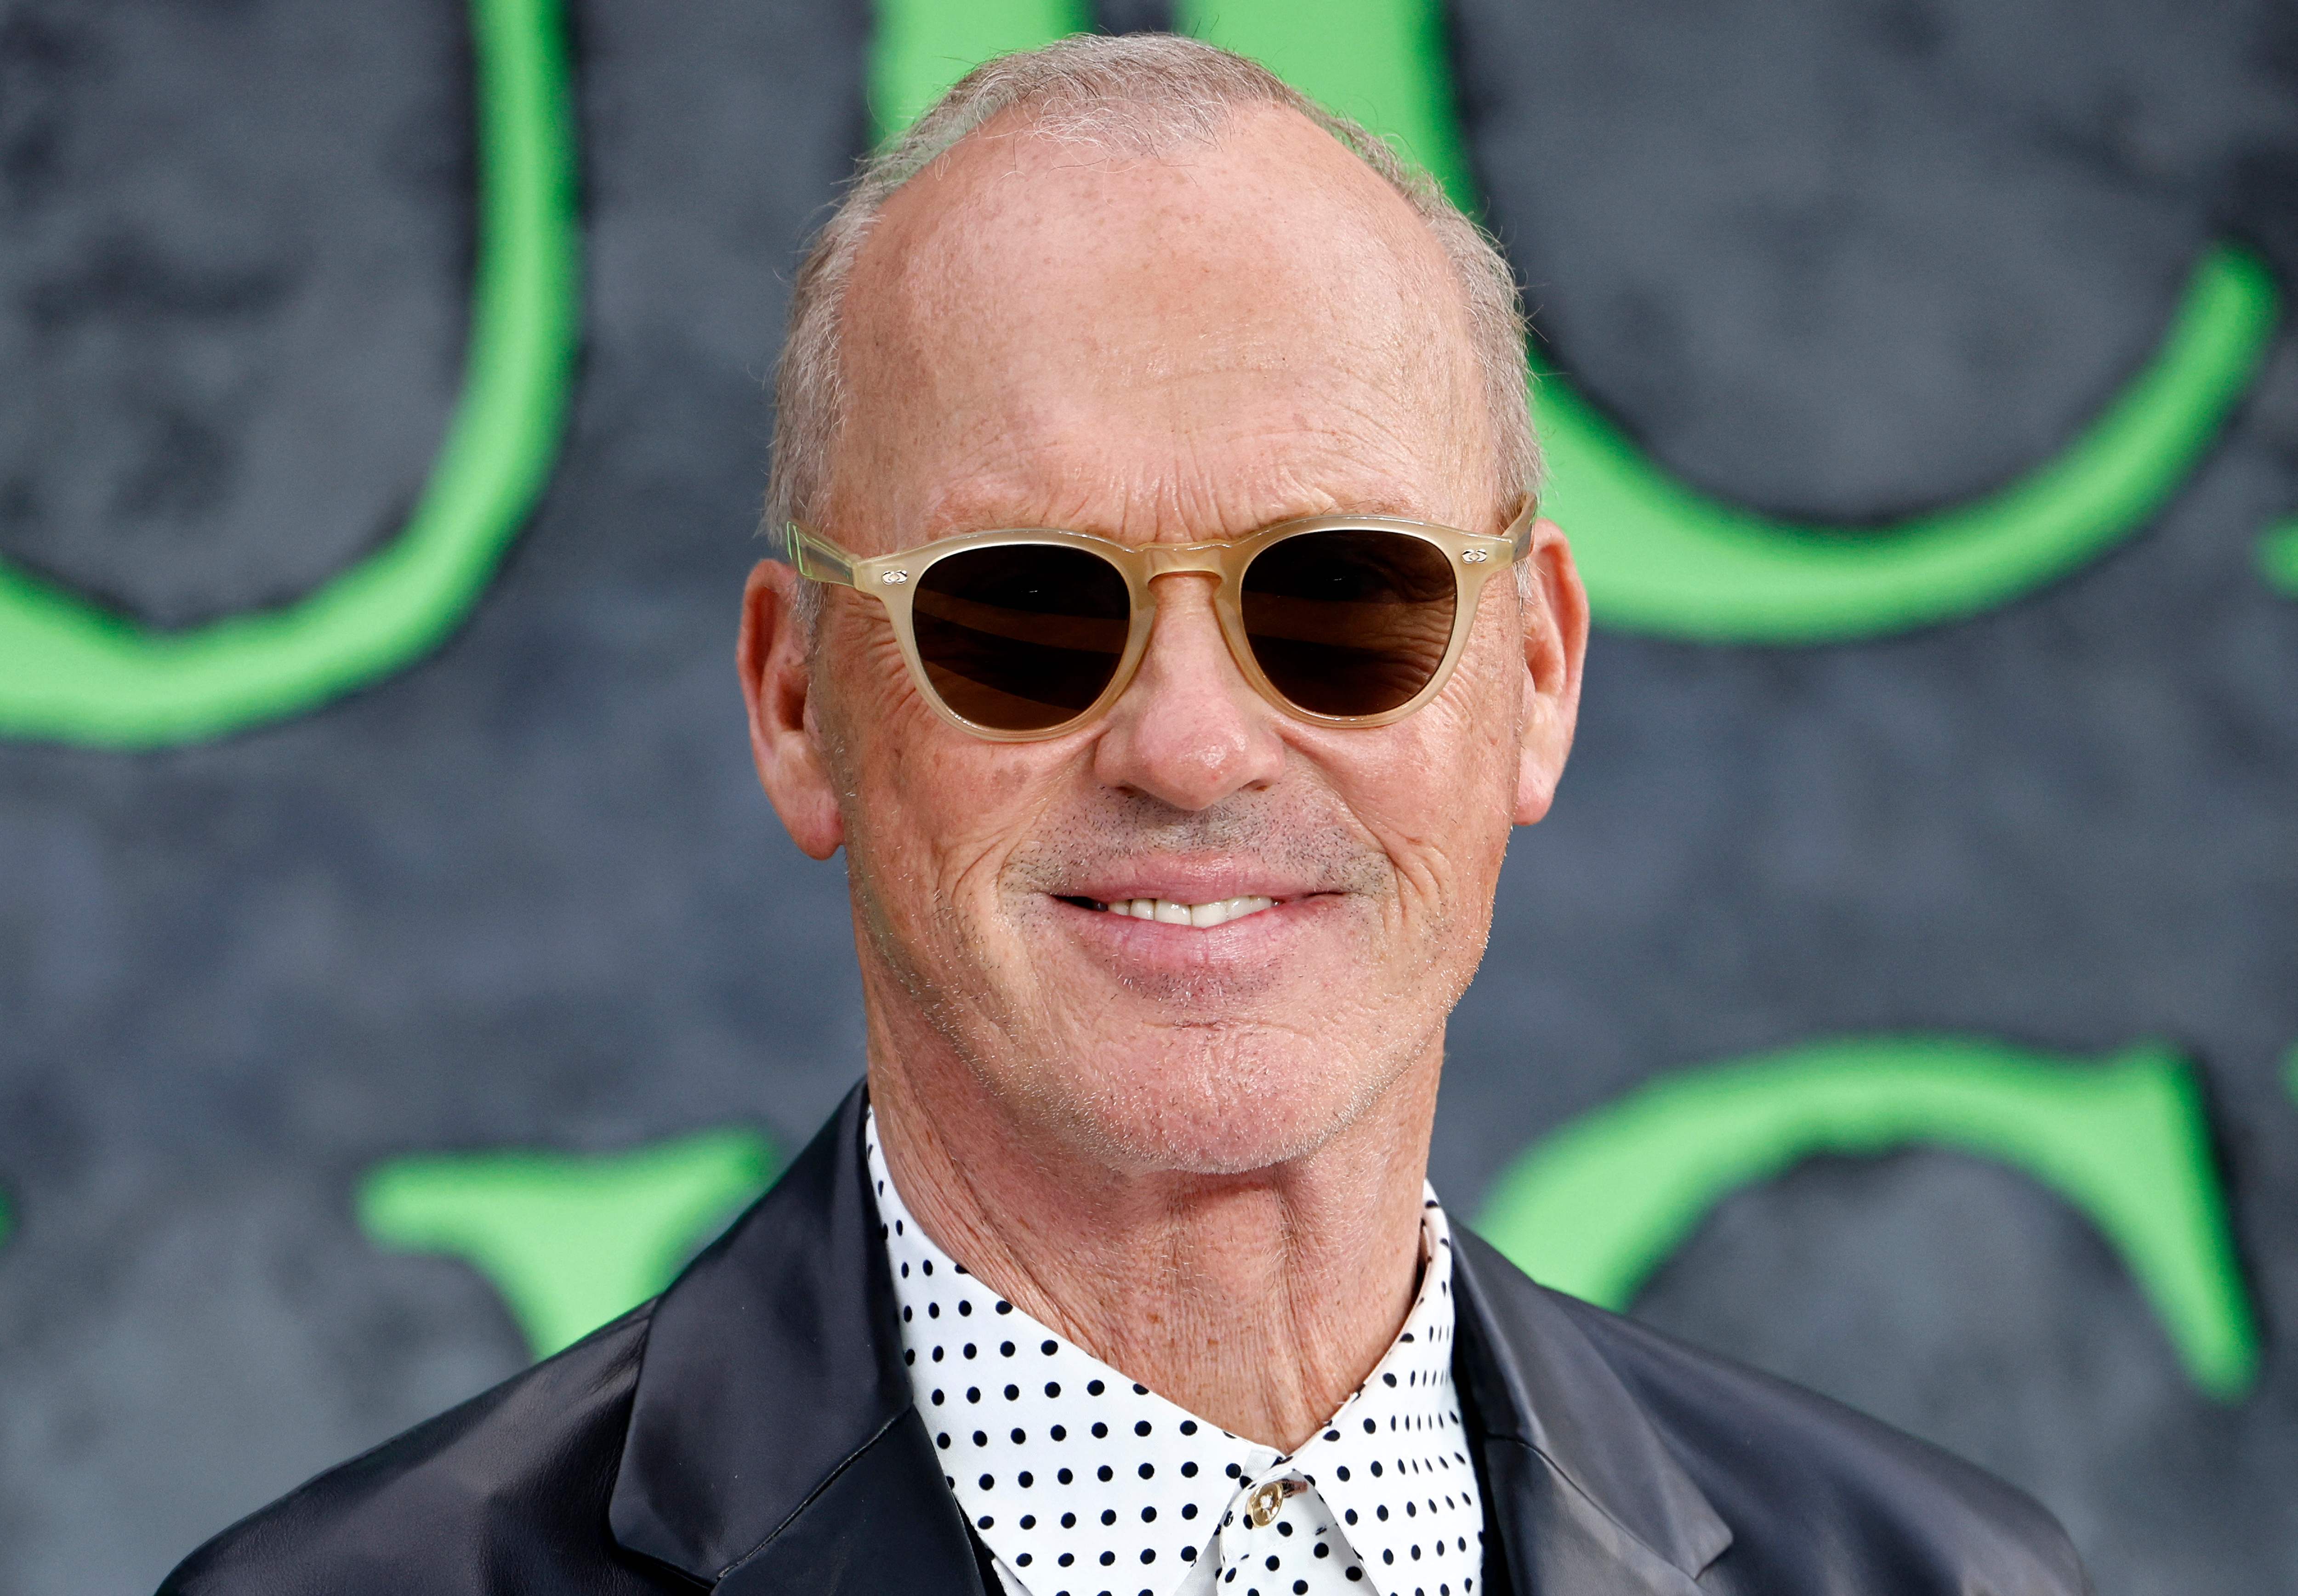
pixel 1191 559
pixel 1176 559
pixel 1161 560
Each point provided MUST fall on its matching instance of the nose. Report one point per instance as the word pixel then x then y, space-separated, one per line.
pixel 1188 729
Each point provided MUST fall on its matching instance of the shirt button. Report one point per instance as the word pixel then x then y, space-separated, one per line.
pixel 1264 1501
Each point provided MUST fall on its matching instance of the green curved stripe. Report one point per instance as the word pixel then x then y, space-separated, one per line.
pixel 1660 557
pixel 76 672
pixel 1598 1205
pixel 570 1240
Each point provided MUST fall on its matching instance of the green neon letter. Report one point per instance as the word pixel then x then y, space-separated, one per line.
pixel 570 1241
pixel 1659 557
pixel 74 673
pixel 1595 1208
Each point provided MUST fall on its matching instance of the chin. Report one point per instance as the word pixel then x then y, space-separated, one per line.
pixel 1202 1103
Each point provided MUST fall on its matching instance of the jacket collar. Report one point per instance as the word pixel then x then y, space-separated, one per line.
pixel 1586 1495
pixel 773 1445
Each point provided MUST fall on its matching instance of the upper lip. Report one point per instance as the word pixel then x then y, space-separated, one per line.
pixel 1183 881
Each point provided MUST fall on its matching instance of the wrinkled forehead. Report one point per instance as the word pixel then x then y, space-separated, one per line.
pixel 1036 329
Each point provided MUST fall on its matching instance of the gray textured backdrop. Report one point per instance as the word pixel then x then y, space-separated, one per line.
pixel 1845 258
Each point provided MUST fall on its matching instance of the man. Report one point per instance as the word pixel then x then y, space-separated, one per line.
pixel 1172 833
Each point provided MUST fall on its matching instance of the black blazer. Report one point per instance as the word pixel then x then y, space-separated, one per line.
pixel 751 1431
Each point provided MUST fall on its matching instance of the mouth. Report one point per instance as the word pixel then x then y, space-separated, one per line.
pixel 1166 911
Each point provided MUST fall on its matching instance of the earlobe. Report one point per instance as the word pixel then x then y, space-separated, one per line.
pixel 771 657
pixel 1555 615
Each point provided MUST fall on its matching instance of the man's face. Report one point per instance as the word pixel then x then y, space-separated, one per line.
pixel 1176 350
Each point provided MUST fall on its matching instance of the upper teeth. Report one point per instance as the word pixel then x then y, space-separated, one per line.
pixel 1166 912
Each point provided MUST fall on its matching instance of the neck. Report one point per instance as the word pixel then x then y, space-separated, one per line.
pixel 1257 1301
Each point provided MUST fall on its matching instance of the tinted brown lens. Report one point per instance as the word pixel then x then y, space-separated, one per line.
pixel 1021 637
pixel 1350 622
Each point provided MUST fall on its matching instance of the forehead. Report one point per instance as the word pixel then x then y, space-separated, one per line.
pixel 1174 347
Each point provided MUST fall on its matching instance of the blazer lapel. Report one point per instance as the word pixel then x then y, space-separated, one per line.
pixel 1560 1541
pixel 885 1521
pixel 773 1442
pixel 1587 1498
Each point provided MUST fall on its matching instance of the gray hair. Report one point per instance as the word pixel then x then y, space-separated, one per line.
pixel 1134 95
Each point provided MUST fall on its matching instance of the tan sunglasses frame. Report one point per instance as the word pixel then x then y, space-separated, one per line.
pixel 891 579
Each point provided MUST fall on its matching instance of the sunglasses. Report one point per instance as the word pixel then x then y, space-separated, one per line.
pixel 1339 620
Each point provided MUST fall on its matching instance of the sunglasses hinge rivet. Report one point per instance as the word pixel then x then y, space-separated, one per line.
pixel 1474 557
pixel 895 578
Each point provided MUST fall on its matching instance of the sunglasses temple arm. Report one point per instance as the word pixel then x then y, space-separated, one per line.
pixel 816 557
pixel 1519 531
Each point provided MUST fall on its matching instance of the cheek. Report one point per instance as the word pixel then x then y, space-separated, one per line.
pixel 932 816
pixel 1475 731
pixel 963 809
pixel 1437 791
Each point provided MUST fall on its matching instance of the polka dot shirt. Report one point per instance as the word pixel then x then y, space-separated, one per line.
pixel 1082 1482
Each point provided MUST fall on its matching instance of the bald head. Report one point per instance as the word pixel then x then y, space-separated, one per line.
pixel 1057 146
pixel 1194 342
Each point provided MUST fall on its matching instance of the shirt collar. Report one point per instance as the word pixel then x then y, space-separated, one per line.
pixel 1393 1461
pixel 1032 1430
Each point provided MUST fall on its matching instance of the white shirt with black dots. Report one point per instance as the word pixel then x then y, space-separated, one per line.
pixel 1082 1482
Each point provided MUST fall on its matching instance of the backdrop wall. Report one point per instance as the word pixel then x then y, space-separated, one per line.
pixel 399 971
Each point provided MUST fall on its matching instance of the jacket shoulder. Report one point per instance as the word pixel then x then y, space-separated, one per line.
pixel 506 1493
pixel 1819 1497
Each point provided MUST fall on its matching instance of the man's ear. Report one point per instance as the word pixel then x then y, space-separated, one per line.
pixel 1555 647
pixel 778 691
